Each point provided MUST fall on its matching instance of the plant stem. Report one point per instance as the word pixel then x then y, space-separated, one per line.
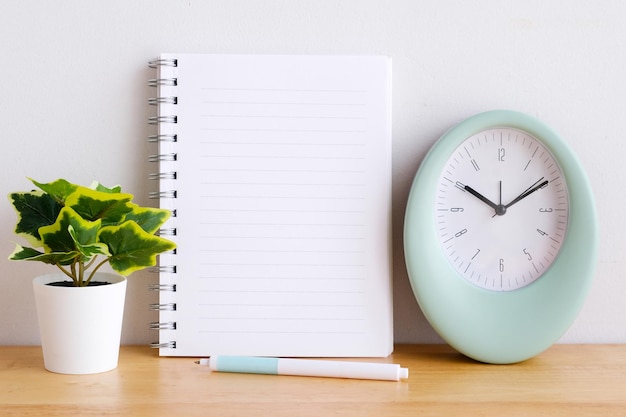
pixel 68 273
pixel 78 270
pixel 93 260
pixel 74 276
pixel 81 271
pixel 96 269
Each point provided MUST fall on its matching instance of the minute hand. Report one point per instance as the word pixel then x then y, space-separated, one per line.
pixel 528 191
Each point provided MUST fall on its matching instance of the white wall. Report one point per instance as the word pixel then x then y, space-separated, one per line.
pixel 73 104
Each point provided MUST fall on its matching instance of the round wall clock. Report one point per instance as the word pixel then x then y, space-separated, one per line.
pixel 500 237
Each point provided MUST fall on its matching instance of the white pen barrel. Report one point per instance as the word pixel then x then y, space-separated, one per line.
pixel 341 369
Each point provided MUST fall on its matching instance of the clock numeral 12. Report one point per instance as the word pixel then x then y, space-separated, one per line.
pixel 501 153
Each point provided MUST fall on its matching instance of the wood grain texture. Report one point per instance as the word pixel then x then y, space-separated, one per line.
pixel 566 380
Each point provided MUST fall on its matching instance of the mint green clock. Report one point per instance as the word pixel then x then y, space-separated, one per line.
pixel 500 237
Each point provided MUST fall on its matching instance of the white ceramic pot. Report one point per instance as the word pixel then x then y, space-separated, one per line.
pixel 80 328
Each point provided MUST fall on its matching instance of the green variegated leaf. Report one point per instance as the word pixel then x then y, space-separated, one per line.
pixel 57 237
pixel 85 241
pixel 34 209
pixel 132 248
pixel 149 219
pixel 59 189
pixel 29 254
pixel 75 224
pixel 93 205
pixel 99 187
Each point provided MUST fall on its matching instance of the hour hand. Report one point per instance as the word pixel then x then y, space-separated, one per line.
pixel 480 197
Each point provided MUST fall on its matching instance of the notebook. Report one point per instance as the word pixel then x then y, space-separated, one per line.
pixel 277 170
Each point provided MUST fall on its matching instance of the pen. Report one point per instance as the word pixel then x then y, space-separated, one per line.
pixel 306 367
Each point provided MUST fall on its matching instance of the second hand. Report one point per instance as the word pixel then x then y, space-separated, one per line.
pixel 499 209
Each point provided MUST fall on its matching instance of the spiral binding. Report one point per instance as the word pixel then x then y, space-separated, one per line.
pixel 162 287
pixel 170 269
pixel 156 120
pixel 163 307
pixel 155 101
pixel 163 326
pixel 167 232
pixel 162 176
pixel 166 345
pixel 168 157
pixel 154 195
pixel 155 63
pixel 163 139
pixel 167 82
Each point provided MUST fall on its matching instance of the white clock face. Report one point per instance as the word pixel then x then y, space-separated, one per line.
pixel 501 209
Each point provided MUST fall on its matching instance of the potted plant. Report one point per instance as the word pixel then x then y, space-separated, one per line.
pixel 79 230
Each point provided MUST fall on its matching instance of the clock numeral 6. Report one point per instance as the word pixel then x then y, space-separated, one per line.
pixel 501 265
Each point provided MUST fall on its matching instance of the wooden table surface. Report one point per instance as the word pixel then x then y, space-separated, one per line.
pixel 566 380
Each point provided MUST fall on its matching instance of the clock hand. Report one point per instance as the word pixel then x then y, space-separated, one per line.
pixel 481 198
pixel 500 209
pixel 536 186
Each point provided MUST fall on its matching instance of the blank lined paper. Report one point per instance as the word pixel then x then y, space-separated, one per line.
pixel 283 206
